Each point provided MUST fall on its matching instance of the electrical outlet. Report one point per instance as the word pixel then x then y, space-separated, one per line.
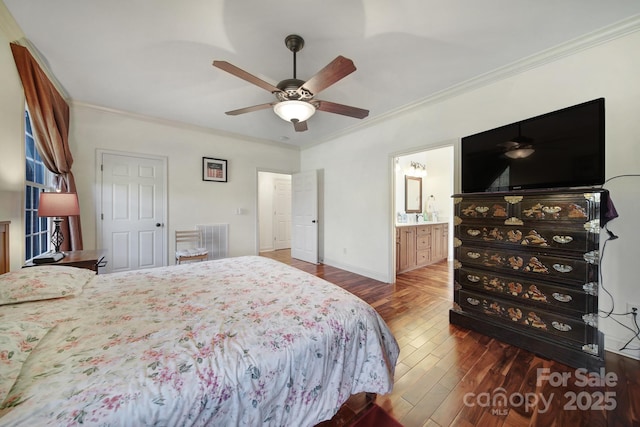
pixel 631 307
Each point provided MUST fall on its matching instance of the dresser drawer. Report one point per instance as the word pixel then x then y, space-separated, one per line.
pixel 482 208
pixel 558 208
pixel 564 270
pixel 533 320
pixel 573 302
pixel 544 236
pixel 571 208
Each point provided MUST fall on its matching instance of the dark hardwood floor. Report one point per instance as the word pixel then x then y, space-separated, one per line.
pixel 450 376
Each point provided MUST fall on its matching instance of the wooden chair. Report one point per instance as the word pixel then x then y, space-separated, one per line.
pixel 189 246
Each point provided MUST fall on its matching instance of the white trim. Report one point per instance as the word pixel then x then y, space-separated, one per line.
pixel 357 270
pixel 614 345
pixel 180 125
pixel 257 201
pixel 606 34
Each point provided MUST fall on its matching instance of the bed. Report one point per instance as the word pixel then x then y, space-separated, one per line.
pixel 238 341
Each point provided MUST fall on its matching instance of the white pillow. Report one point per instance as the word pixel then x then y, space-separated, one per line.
pixel 42 282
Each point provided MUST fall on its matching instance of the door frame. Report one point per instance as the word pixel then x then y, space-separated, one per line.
pixel 274 222
pixel 257 201
pixel 98 195
pixel 455 173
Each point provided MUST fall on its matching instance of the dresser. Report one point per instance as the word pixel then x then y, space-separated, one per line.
pixel 418 245
pixel 526 271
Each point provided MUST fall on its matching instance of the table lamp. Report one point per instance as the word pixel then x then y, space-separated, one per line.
pixel 57 205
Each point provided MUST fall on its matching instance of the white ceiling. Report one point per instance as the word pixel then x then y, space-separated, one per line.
pixel 153 57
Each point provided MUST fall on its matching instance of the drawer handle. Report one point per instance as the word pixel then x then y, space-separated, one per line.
pixel 473 301
pixel 473 278
pixel 473 255
pixel 473 232
pixel 562 268
pixel 562 327
pixel 562 297
pixel 562 239
pixel 482 209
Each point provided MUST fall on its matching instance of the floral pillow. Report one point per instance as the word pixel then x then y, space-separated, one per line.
pixel 17 339
pixel 42 282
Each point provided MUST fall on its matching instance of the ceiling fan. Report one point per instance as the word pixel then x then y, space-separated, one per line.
pixel 295 99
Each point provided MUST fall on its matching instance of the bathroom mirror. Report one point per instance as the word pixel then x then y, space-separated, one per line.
pixel 412 194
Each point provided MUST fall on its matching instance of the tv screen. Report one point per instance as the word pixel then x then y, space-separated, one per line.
pixel 561 149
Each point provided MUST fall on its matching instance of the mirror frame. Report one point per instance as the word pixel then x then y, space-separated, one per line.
pixel 412 194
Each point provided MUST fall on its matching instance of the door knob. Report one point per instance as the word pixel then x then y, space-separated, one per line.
pixel 158 224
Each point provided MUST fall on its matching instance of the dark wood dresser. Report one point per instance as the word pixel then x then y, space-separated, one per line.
pixel 526 271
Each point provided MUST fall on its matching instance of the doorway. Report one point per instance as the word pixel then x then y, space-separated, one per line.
pixel 274 211
pixel 435 166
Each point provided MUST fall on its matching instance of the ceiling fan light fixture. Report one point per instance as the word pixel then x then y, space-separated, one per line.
pixel 519 152
pixel 294 110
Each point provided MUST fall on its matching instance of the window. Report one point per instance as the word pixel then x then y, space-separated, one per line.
pixel 38 178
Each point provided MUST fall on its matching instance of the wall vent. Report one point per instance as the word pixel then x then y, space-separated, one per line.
pixel 215 237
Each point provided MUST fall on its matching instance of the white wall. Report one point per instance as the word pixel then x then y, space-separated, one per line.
pixel 438 182
pixel 12 161
pixel 191 200
pixel 359 217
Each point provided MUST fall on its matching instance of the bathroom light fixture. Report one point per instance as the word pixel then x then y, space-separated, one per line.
pixel 417 169
pixel 293 110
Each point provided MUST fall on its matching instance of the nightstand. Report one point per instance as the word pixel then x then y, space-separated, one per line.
pixel 89 259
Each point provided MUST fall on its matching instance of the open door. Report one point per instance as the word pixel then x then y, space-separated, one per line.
pixel 304 216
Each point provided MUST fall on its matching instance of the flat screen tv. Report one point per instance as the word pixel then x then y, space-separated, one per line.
pixel 561 149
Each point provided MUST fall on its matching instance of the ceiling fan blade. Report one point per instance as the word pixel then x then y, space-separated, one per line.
pixel 345 110
pixel 232 69
pixel 299 126
pixel 249 109
pixel 334 71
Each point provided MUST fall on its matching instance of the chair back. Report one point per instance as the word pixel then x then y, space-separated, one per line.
pixel 189 246
pixel 188 238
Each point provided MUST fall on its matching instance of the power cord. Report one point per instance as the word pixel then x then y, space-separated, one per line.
pixel 634 311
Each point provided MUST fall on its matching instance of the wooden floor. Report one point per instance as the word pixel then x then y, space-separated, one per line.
pixel 449 376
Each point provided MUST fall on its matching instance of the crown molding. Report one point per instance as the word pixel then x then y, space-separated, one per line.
pixel 571 47
pixel 181 125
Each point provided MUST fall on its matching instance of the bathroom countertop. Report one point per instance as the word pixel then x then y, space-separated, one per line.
pixel 409 224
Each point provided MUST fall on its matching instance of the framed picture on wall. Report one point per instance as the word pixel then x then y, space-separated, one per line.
pixel 214 169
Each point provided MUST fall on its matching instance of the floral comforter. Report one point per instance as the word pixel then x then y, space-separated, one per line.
pixel 232 342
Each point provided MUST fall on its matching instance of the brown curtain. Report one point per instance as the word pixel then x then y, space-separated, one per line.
pixel 50 118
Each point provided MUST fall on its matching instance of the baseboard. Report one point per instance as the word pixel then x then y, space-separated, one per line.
pixel 614 345
pixel 353 269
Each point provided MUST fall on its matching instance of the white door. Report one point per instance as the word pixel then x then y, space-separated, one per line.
pixel 304 215
pixel 282 214
pixel 133 209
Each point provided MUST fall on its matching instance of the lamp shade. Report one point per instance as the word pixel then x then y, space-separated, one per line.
pixel 58 204
pixel 294 110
